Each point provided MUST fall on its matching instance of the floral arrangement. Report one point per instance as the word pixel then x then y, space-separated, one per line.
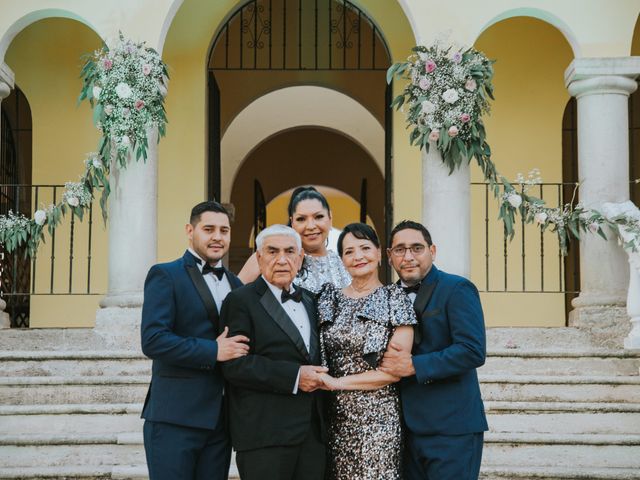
pixel 447 91
pixel 125 84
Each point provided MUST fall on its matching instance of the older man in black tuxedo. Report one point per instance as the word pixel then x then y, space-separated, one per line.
pixel 275 407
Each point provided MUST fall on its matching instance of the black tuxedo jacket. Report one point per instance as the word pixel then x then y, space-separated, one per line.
pixel 263 411
pixel 179 328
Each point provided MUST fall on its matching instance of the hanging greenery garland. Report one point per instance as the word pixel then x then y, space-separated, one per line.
pixel 446 94
pixel 126 84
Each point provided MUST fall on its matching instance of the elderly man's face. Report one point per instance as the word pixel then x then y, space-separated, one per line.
pixel 279 260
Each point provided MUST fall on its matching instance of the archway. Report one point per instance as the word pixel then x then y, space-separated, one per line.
pixel 268 45
pixel 276 162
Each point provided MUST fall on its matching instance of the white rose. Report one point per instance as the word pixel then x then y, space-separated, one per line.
pixel 424 83
pixel 125 140
pixel 514 200
pixel 428 107
pixel 450 96
pixel 96 92
pixel 73 201
pixel 108 109
pixel 123 90
pixel 40 217
pixel 540 218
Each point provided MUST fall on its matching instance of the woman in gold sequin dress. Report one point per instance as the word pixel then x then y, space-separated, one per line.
pixel 356 325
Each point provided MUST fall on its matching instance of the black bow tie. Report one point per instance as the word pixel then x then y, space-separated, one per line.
pixel 217 271
pixel 412 289
pixel 296 296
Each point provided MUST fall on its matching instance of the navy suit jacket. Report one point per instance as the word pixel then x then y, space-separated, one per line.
pixel 443 398
pixel 180 323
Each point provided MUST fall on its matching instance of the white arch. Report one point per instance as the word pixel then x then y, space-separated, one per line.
pixel 166 24
pixel 540 14
pixel 32 17
pixel 293 107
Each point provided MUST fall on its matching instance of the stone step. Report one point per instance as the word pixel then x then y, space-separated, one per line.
pixel 516 420
pixel 499 361
pixel 503 450
pixel 132 389
pixel 565 423
pixel 63 390
pixel 562 450
pixel 62 424
pixel 557 473
pixel 561 362
pixel 560 388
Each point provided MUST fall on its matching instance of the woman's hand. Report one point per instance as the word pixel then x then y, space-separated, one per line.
pixel 330 383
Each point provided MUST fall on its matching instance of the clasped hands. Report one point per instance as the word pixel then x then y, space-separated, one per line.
pixel 313 377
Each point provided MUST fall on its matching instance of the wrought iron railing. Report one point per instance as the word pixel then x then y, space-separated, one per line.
pixel 65 264
pixel 532 261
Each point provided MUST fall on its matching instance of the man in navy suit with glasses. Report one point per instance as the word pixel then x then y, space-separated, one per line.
pixel 441 401
pixel 185 434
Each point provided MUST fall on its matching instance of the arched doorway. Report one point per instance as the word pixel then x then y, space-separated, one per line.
pixel 15 196
pixel 266 45
pixel 274 161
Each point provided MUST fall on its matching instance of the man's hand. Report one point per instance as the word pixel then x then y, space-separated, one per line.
pixel 231 347
pixel 397 362
pixel 311 378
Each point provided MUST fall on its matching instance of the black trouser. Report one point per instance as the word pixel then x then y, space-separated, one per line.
pixel 305 461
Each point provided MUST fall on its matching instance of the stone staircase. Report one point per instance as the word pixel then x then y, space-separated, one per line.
pixel 559 407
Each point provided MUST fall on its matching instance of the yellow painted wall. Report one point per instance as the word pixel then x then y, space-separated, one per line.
pixel 525 132
pixel 45 58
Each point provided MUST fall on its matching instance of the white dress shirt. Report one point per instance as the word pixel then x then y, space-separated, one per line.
pixel 298 315
pixel 219 288
pixel 412 295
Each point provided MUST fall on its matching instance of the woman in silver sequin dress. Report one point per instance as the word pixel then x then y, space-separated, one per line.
pixel 356 325
pixel 310 216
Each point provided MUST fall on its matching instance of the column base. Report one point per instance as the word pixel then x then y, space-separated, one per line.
pixel 5 319
pixel 119 327
pixel 122 300
pixel 608 324
pixel 632 342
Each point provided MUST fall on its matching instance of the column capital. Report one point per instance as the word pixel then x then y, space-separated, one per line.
pixel 606 75
pixel 6 80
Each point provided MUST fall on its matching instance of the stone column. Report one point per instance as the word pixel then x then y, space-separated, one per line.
pixel 602 87
pixel 6 84
pixel 446 212
pixel 132 245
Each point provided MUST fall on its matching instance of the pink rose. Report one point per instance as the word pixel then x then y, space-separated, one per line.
pixel 434 136
pixel 146 69
pixel 465 117
pixel 107 64
pixel 139 105
pixel 453 131
pixel 429 66
pixel 471 85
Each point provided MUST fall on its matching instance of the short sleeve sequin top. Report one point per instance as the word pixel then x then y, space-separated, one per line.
pixel 365 437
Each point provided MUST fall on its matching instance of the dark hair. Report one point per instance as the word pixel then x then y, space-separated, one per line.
pixel 361 231
pixel 209 206
pixel 305 193
pixel 411 225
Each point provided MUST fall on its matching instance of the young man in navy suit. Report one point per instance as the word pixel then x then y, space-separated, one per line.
pixel 185 435
pixel 442 405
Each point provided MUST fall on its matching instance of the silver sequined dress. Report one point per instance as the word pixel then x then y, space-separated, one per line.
pixel 365 437
pixel 320 270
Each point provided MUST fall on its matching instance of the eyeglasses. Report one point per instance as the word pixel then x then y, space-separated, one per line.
pixel 400 251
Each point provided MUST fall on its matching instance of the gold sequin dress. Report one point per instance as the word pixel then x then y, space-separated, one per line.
pixel 365 436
